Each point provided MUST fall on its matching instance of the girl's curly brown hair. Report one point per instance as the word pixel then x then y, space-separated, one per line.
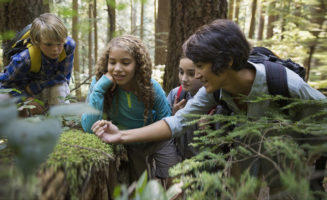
pixel 142 86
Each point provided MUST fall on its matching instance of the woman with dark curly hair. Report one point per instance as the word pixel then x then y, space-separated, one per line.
pixel 124 92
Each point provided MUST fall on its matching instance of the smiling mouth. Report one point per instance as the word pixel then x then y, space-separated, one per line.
pixel 119 77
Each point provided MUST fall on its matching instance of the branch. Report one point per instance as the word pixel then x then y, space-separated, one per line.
pixel 88 78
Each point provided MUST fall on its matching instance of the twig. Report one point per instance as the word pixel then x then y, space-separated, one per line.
pixel 88 78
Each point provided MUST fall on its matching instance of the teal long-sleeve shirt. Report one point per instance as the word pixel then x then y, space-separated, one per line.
pixel 126 110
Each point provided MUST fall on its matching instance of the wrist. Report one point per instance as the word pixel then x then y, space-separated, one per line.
pixel 123 137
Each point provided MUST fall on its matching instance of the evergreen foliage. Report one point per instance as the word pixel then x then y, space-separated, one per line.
pixel 246 155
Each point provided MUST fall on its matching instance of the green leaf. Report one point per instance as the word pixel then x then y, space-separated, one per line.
pixel 26 107
pixel 5 91
pixel 153 190
pixel 174 190
pixel 32 141
pixel 141 183
pixel 8 111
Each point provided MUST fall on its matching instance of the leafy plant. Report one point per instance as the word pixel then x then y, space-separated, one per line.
pixel 31 140
pixel 144 190
pixel 246 155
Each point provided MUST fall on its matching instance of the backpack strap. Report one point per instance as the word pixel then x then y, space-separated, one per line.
pixel 276 79
pixel 180 93
pixel 35 55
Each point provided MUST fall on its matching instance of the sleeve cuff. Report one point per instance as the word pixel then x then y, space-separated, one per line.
pixel 174 128
pixel 103 84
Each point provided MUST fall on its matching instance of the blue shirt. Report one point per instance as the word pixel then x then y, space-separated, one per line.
pixel 203 101
pixel 126 110
pixel 52 72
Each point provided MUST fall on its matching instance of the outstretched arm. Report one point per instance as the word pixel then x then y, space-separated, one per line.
pixel 109 133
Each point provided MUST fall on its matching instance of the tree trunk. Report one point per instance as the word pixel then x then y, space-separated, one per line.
pixel 230 9
pixel 76 55
pixel 111 6
pixel 16 14
pixel 162 30
pixel 271 19
pixel 77 175
pixel 187 17
pixel 261 22
pixel 133 16
pixel 252 23
pixel 95 31
pixel 285 6
pixel 99 182
pixel 237 10
pixel 317 17
pixel 90 44
pixel 142 21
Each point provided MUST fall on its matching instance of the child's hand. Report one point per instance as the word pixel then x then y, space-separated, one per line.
pixel 178 105
pixel 106 131
pixel 113 81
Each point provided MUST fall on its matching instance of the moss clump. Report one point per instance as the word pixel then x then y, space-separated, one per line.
pixel 76 147
pixel 76 153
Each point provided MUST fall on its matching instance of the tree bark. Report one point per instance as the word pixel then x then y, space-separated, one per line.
pixel 252 23
pixel 90 44
pixel 76 54
pixel 161 32
pixel 133 16
pixel 111 6
pixel 142 21
pixel 261 22
pixel 271 19
pixel 16 14
pixel 230 9
pixel 95 31
pixel 187 17
pixel 237 10
pixel 317 17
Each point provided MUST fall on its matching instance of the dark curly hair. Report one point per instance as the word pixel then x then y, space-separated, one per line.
pixel 142 86
pixel 218 43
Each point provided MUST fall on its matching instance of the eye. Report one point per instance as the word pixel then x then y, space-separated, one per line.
pixel 180 71
pixel 191 73
pixel 112 62
pixel 126 61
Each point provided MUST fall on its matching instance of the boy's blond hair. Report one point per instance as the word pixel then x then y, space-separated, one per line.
pixel 49 27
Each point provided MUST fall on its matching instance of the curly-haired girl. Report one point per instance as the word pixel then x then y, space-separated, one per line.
pixel 124 93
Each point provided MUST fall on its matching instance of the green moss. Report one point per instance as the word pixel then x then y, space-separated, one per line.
pixel 76 153
pixel 76 147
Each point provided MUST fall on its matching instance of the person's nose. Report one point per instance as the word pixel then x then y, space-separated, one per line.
pixel 56 48
pixel 184 77
pixel 117 67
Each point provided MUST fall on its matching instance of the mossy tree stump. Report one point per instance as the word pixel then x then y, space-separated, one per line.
pixel 81 167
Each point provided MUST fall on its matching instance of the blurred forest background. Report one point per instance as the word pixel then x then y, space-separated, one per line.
pixel 295 29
